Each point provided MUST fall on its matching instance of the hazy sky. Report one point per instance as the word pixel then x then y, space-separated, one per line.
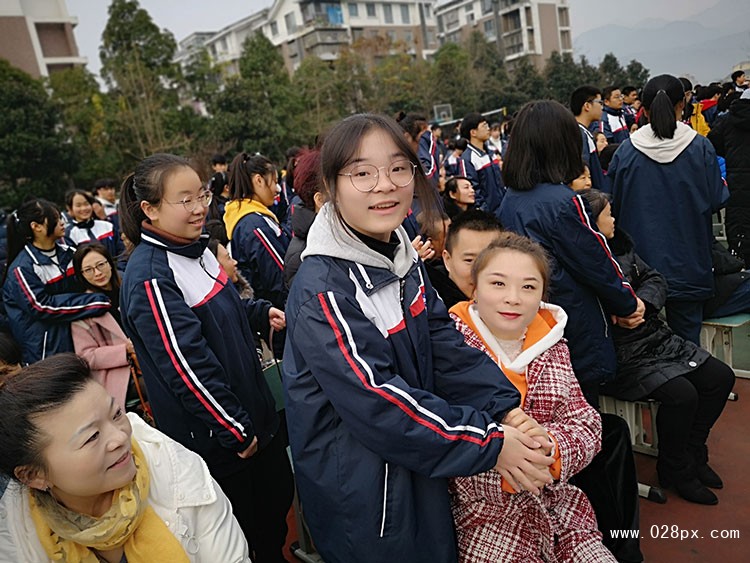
pixel 185 17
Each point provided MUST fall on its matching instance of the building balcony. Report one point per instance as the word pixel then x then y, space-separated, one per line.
pixel 330 36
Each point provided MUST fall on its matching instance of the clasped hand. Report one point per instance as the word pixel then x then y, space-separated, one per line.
pixel 526 455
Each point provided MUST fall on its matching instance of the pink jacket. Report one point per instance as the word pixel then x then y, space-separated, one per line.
pixel 102 343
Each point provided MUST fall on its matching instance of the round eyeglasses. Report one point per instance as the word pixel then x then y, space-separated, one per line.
pixel 365 177
pixel 102 267
pixel 191 202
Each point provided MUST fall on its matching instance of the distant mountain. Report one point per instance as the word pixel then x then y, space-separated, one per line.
pixel 704 46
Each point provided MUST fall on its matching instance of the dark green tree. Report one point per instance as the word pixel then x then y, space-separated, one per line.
pixel 352 82
pixel 527 84
pixel 636 74
pixel 314 81
pixel 589 73
pixel 610 72
pixel 563 76
pixel 259 110
pixel 137 65
pixel 35 155
pixel 489 76
pixel 452 80
pixel 401 82
pixel 85 116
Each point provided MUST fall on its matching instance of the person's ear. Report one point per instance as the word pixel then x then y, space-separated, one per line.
pixel 33 478
pixel 149 210
pixel 447 260
pixel 319 198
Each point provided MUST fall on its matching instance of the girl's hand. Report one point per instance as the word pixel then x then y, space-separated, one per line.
pixel 277 319
pixel 129 346
pixel 251 449
pixel 530 427
pixel 424 249
pixel 520 460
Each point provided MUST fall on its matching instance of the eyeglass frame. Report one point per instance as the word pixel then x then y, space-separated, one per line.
pixel 100 267
pixel 209 196
pixel 377 175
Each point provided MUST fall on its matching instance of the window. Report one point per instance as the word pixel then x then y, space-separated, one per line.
pixel 353 10
pixel 427 10
pixel 408 38
pixel 370 9
pixel 274 29
pixel 489 27
pixel 468 7
pixel 470 18
pixel 486 6
pixel 405 17
pixel 391 35
pixel 291 22
pixel 388 13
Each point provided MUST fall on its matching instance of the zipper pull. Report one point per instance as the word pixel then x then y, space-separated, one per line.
pixel 401 284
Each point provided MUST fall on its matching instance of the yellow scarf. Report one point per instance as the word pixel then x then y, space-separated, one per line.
pixel 238 208
pixel 70 537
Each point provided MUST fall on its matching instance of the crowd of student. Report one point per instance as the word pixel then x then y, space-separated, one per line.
pixel 448 311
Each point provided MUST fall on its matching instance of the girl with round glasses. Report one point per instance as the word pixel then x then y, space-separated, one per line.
pixel 384 399
pixel 100 340
pixel 196 349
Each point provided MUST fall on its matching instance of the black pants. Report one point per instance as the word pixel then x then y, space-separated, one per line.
pixel 261 495
pixel 690 405
pixel 611 485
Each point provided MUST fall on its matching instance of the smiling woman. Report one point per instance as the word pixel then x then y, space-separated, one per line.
pixel 84 480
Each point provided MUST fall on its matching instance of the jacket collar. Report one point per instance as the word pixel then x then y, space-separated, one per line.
pixel 236 209
pixel 184 247
pixel 612 111
pixel 329 237
pixel 41 259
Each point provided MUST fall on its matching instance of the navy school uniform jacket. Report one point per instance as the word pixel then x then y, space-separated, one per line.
pixel 196 349
pixel 94 230
pixel 429 156
pixel 591 159
pixel 664 192
pixel 259 245
pixel 384 402
pixel 41 300
pixel 612 124
pixel 484 173
pixel 586 280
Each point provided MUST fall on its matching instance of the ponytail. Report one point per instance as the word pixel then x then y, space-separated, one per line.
pixel 244 166
pixel 661 95
pixel 145 184
pixel 19 226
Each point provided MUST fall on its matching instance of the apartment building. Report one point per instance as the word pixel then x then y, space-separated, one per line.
pixel 533 28
pixel 36 36
pixel 301 28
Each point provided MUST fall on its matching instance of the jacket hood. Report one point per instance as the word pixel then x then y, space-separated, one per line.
pixel 739 114
pixel 329 237
pixel 663 151
pixel 302 220
pixel 621 243
pixel 239 208
pixel 544 331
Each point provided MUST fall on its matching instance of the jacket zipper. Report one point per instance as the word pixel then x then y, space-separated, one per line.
pixel 44 346
pixel 604 318
pixel 385 499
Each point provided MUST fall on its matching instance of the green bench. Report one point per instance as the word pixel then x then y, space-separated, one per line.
pixel 717 334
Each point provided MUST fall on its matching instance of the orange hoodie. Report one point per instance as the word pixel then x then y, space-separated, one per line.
pixel 545 330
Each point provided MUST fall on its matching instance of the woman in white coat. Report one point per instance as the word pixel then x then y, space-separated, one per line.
pixel 92 484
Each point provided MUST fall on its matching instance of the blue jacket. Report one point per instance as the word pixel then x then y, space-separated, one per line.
pixel 429 156
pixel 196 349
pixel 612 124
pixel 95 230
pixel 384 402
pixel 484 173
pixel 591 159
pixel 41 301
pixel 259 245
pixel 663 195
pixel 586 280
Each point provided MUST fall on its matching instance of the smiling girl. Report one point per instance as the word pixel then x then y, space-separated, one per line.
pixel 92 484
pixel 384 400
pixel 511 324
pixel 100 340
pixel 39 290
pixel 85 228
pixel 196 349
